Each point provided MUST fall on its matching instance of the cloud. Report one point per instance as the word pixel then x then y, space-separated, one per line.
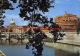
pixel 58 1
pixel 61 1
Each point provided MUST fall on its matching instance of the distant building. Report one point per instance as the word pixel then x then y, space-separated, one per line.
pixel 67 22
pixel 12 27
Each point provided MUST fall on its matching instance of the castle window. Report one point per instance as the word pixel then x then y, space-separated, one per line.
pixel 66 20
pixel 58 17
pixel 63 20
pixel 71 25
pixel 69 20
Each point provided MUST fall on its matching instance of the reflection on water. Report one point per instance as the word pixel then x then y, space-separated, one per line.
pixel 67 47
pixel 19 50
pixel 69 50
pixel 64 53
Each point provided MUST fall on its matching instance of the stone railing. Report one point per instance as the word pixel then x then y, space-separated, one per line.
pixel 2 54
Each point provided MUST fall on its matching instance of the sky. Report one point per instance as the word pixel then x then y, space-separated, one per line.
pixel 60 7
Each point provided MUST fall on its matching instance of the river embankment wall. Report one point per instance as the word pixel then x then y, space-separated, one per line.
pixel 70 42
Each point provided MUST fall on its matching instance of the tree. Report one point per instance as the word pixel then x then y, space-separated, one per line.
pixel 1 20
pixel 4 5
pixel 32 11
pixel 1 17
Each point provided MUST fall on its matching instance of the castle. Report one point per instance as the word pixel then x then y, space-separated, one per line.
pixel 67 22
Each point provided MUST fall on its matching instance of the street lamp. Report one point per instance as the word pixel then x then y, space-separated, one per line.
pixel 21 35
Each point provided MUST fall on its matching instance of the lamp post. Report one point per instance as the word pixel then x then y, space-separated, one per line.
pixel 10 36
pixel 21 35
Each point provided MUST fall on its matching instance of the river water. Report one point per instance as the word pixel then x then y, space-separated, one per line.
pixel 19 50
